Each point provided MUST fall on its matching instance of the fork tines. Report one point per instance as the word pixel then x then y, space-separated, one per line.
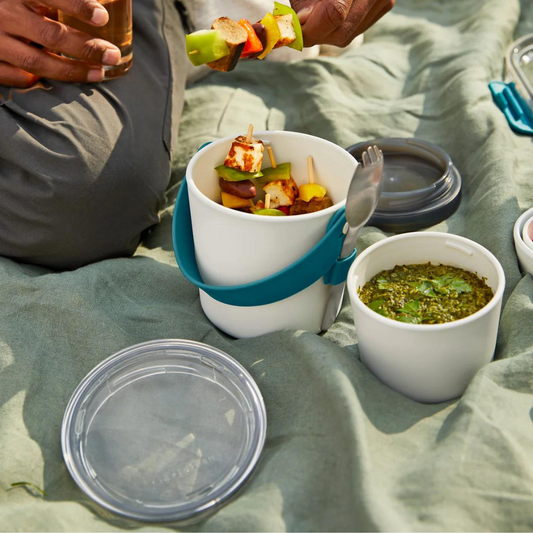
pixel 372 155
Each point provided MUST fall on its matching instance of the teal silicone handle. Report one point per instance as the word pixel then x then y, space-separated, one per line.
pixel 321 261
pixel 514 107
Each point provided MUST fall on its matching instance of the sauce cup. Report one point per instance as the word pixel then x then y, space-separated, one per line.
pixel 429 363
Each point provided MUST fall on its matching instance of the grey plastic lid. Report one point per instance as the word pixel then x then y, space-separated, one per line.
pixel 421 186
pixel 164 431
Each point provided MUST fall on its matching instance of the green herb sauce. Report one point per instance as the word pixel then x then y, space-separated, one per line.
pixel 426 294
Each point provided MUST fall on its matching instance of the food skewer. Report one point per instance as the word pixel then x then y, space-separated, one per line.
pixel 271 156
pixel 279 184
pixel 310 170
pixel 250 133
pixel 312 191
pixel 283 197
pixel 228 41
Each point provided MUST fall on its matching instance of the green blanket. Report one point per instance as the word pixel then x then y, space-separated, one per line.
pixel 343 451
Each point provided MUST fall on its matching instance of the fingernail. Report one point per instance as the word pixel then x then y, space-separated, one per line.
pixel 100 16
pixel 95 75
pixel 111 57
pixel 303 14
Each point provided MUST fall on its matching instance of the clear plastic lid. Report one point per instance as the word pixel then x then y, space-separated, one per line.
pixel 164 431
pixel 421 186
pixel 519 66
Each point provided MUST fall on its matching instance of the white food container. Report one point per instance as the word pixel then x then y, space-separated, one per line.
pixel 524 252
pixel 427 363
pixel 235 248
pixel 527 233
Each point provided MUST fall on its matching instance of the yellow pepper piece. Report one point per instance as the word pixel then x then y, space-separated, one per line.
pixel 233 202
pixel 310 191
pixel 273 34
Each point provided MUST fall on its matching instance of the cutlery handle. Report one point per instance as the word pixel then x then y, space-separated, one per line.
pixel 337 291
pixel 349 242
pixel 332 308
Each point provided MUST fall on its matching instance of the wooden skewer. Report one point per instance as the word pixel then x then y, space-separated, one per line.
pixel 250 133
pixel 310 171
pixel 267 201
pixel 192 52
pixel 271 155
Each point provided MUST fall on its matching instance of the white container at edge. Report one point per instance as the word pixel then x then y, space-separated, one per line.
pixel 524 253
pixel 527 233
pixel 233 248
pixel 428 363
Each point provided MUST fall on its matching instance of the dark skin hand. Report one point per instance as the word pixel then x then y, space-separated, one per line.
pixel 24 21
pixel 338 22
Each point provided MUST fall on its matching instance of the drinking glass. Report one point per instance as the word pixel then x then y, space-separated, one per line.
pixel 118 31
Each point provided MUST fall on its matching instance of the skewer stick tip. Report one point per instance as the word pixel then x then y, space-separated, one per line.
pixel 271 155
pixel 267 201
pixel 250 133
pixel 310 171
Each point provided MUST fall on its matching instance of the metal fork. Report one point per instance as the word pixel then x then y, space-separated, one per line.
pixel 361 201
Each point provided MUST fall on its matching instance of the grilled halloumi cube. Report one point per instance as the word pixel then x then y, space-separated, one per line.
pixel 286 28
pixel 282 192
pixel 243 156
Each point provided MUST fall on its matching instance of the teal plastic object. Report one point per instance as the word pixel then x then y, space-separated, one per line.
pixel 321 261
pixel 514 107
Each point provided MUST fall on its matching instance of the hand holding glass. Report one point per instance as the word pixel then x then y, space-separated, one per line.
pixel 118 31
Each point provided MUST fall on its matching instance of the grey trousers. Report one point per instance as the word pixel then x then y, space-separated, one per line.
pixel 84 168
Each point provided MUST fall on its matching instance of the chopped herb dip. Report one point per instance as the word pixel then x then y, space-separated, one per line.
pixel 426 294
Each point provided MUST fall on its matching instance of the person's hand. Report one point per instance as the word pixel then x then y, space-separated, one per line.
pixel 338 22
pixel 22 22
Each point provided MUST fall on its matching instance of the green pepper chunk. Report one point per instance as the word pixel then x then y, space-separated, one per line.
pixel 281 9
pixel 269 212
pixel 281 172
pixel 206 46
pixel 232 174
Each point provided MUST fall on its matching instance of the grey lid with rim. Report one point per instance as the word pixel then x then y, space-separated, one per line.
pixel 166 430
pixel 421 186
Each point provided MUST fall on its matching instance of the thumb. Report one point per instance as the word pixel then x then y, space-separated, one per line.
pixel 319 18
pixel 304 8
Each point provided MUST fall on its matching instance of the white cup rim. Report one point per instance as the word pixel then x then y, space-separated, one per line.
pixel 258 219
pixel 528 241
pixel 498 294
pixel 517 233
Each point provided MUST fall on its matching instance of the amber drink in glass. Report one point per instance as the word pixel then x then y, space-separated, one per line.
pixel 119 31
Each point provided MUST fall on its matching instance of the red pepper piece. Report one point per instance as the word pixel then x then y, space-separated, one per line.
pixel 253 44
pixel 285 209
pixel 260 31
